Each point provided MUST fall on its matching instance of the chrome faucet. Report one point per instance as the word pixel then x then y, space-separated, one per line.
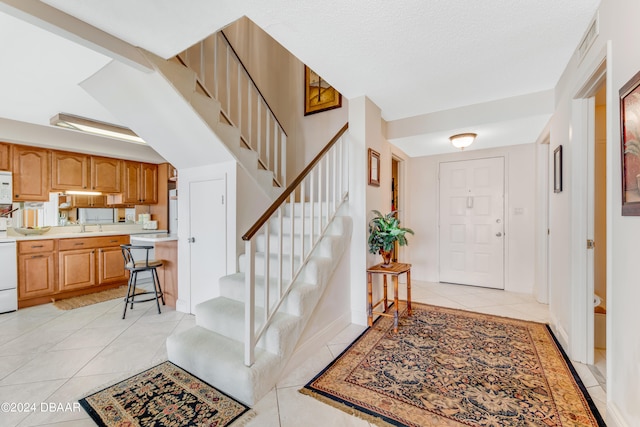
pixel 100 228
pixel 82 229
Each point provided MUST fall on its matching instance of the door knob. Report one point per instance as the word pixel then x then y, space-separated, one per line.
pixel 192 239
pixel 499 234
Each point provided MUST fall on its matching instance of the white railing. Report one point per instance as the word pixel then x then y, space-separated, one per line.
pixel 222 76
pixel 297 220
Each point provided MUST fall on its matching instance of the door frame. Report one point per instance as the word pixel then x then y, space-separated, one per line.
pixel 581 345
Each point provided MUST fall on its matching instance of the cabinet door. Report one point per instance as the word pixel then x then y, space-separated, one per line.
pixel 36 275
pixel 30 174
pixel 149 184
pixel 131 182
pixel 77 269
pixel 106 174
pixel 5 163
pixel 111 266
pixel 69 171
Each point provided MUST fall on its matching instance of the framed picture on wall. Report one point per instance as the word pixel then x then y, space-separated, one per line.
pixel 557 169
pixel 318 94
pixel 630 146
pixel 374 168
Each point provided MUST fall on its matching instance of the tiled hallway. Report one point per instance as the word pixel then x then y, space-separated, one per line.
pixel 52 356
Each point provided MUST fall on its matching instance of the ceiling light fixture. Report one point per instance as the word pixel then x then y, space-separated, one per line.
pixel 82 124
pixel 462 140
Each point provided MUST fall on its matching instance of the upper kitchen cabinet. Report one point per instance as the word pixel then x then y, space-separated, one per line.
pixel 69 171
pixel 74 171
pixel 30 167
pixel 5 162
pixel 140 183
pixel 106 174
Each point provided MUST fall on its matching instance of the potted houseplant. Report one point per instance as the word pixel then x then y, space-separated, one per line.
pixel 384 231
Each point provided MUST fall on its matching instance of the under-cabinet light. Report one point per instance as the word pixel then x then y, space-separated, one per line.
pixel 83 193
pixel 82 124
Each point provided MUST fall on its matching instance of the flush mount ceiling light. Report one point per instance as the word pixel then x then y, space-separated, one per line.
pixel 462 140
pixel 82 124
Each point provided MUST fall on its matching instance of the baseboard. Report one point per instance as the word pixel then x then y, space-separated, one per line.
pixel 183 306
pixel 614 418
pixel 310 347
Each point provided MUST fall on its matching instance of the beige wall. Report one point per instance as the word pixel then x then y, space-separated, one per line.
pixel 280 78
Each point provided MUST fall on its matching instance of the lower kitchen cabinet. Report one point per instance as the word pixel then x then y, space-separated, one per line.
pixel 77 269
pixel 111 266
pixel 62 268
pixel 36 268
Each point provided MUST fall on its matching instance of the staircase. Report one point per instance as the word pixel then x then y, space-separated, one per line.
pixel 244 338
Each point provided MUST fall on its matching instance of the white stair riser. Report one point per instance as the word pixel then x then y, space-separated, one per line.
pixel 226 317
pixel 299 300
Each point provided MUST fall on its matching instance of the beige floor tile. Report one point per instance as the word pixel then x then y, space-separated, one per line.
pixel 25 400
pixel 265 412
pixel 298 410
pixel 307 370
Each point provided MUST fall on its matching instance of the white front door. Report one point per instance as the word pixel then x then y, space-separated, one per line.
pixel 472 222
pixel 207 237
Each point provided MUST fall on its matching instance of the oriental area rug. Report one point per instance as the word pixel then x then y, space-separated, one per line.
pixel 94 298
pixel 164 395
pixel 453 368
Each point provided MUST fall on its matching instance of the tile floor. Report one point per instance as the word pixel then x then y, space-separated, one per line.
pixel 51 358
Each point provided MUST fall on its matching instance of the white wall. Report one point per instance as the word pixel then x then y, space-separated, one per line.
pixel 422 213
pixel 617 42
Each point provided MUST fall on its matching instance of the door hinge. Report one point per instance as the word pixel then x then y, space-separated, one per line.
pixel 590 244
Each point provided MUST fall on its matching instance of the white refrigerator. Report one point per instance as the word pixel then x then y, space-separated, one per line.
pixel 173 211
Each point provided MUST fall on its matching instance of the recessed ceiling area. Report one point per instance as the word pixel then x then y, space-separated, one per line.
pixel 414 60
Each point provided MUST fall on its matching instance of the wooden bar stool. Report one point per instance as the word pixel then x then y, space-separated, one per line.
pixel 394 269
pixel 134 268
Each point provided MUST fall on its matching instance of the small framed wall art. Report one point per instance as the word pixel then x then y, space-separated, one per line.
pixel 557 169
pixel 630 146
pixel 374 168
pixel 318 94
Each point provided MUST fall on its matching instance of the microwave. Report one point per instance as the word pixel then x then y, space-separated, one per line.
pixel 6 188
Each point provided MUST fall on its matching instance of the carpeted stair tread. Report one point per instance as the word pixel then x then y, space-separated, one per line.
pixel 226 317
pixel 301 298
pixel 218 360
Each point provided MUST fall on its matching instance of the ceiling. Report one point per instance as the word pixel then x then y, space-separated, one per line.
pixel 422 62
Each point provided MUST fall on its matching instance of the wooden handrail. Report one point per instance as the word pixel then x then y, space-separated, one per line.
pixel 254 83
pixel 291 188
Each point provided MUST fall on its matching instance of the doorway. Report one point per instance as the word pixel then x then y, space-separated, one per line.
pixel 471 216
pixel 600 229
pixel 207 238
pixel 395 197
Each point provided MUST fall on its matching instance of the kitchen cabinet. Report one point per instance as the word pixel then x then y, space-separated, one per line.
pixel 36 268
pixel 106 174
pixel 74 171
pixel 69 171
pixel 82 201
pixel 30 166
pixel 86 262
pixel 140 183
pixel 77 269
pixel 111 266
pixel 5 160
pixel 62 268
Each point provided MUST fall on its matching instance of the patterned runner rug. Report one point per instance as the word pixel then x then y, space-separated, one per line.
pixel 162 396
pixel 455 368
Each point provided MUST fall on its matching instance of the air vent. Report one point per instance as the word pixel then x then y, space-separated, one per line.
pixel 589 38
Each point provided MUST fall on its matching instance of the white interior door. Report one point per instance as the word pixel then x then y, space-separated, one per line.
pixel 207 237
pixel 472 222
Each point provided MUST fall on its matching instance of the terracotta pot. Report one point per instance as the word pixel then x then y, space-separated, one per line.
pixel 386 257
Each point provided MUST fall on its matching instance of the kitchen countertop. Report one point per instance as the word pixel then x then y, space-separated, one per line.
pixel 91 231
pixel 158 237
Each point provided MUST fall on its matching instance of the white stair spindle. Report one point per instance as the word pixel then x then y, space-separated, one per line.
pixel 280 252
pixel 302 220
pixel 267 275
pixel 292 205
pixel 249 306
pixel 312 203
pixel 216 80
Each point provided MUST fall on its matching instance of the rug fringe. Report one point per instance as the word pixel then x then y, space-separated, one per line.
pixel 244 419
pixel 345 408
